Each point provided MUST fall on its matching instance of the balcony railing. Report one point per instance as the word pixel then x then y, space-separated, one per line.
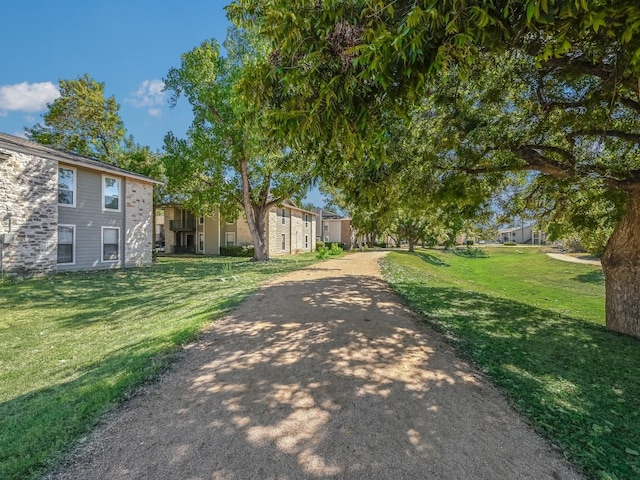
pixel 180 226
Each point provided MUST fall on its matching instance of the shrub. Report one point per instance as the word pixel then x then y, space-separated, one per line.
pixel 469 243
pixel 335 249
pixel 322 252
pixel 573 244
pixel 329 245
pixel 509 244
pixel 470 252
pixel 319 245
pixel 236 251
pixel 381 244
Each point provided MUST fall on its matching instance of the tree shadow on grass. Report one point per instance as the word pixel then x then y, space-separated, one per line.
pixel 579 383
pixel 596 277
pixel 428 258
pixel 39 428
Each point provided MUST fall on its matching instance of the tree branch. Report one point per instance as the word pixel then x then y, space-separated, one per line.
pixel 535 160
pixel 601 132
pixel 628 102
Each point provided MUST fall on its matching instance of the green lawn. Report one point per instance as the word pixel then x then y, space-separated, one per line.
pixel 536 326
pixel 75 345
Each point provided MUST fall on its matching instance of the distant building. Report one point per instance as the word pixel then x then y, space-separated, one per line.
pixel 528 234
pixel 290 230
pixel 331 227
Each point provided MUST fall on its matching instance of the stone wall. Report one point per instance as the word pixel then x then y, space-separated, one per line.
pixel 29 202
pixel 138 223
pixel 300 229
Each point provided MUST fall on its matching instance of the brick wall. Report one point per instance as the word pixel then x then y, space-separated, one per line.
pixel 29 201
pixel 345 234
pixel 138 223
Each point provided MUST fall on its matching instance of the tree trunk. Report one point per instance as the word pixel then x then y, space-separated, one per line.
pixel 259 234
pixel 412 245
pixel 255 217
pixel 621 266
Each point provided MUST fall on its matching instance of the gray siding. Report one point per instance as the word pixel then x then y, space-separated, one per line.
pixel 89 218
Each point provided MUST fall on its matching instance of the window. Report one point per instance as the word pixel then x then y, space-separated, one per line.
pixel 325 227
pixel 201 242
pixel 201 220
pixel 230 239
pixel 284 242
pixel 284 216
pixel 306 220
pixel 326 239
pixel 111 193
pixel 306 241
pixel 110 244
pixel 66 242
pixel 67 186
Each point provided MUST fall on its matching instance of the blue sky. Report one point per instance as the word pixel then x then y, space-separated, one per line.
pixel 127 45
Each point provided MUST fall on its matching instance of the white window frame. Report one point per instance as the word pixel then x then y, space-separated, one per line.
pixel 119 180
pixel 228 235
pixel 283 214
pixel 102 260
pixel 200 220
pixel 284 242
pixel 325 227
pixel 326 239
pixel 73 245
pixel 73 190
pixel 306 220
pixel 306 241
pixel 201 239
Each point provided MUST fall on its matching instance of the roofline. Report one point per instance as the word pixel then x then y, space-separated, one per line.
pixel 181 206
pixel 302 210
pixel 22 145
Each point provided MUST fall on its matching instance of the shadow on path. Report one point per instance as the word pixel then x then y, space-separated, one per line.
pixel 324 377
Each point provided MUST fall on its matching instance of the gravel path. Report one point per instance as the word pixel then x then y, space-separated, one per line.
pixel 320 374
pixel 572 259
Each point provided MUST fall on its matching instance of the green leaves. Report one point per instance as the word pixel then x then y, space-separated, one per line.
pixel 83 121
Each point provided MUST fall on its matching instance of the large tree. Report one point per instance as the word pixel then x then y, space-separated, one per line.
pixel 230 159
pixel 82 121
pixel 574 122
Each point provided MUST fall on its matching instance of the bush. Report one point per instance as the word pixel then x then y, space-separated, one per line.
pixel 329 245
pixel 236 251
pixel 319 245
pixel 469 243
pixel 336 249
pixel 470 252
pixel 381 244
pixel 509 244
pixel 324 252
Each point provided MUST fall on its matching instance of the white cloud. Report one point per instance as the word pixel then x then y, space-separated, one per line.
pixel 149 94
pixel 155 112
pixel 27 97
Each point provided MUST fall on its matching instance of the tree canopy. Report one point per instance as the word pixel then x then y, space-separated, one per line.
pixel 230 158
pixel 83 121
pixel 495 87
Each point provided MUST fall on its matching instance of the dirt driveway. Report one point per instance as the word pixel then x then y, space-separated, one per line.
pixel 320 374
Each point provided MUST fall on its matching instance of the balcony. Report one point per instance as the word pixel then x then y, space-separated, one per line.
pixel 182 226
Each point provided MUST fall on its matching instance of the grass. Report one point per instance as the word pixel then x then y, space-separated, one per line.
pixel 76 345
pixel 536 326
